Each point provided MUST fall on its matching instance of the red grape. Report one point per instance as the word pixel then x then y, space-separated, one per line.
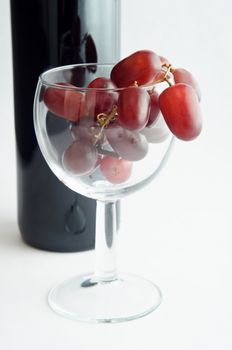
pixel 164 60
pixel 181 110
pixel 87 129
pixel 65 103
pixel 181 75
pixel 158 132
pixel 160 76
pixel 100 100
pixel 154 108
pixel 102 83
pixel 80 158
pixel 133 108
pixel 130 145
pixel 116 170
pixel 141 67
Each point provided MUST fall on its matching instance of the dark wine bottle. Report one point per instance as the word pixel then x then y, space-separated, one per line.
pixel 45 34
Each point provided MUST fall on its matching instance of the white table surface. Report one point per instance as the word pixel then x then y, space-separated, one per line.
pixel 176 232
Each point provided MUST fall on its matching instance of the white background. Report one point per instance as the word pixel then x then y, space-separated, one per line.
pixel 176 232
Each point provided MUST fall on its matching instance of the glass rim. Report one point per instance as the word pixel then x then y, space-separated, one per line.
pixel 48 84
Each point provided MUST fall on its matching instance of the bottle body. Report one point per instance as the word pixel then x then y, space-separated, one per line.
pixel 45 34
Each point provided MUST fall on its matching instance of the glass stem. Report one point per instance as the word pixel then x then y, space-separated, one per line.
pixel 105 241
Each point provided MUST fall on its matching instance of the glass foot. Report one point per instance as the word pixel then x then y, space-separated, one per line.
pixel 85 299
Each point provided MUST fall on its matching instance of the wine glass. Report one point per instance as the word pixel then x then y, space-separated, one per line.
pixel 89 148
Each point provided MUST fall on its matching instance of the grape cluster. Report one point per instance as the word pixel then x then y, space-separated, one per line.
pixel 113 121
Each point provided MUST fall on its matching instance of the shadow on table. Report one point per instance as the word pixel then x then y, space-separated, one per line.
pixel 10 235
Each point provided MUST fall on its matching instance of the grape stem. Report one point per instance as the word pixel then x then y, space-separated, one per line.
pixel 104 120
pixel 168 69
pixel 167 65
pixel 166 78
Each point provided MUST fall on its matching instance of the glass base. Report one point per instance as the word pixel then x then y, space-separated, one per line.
pixel 85 299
